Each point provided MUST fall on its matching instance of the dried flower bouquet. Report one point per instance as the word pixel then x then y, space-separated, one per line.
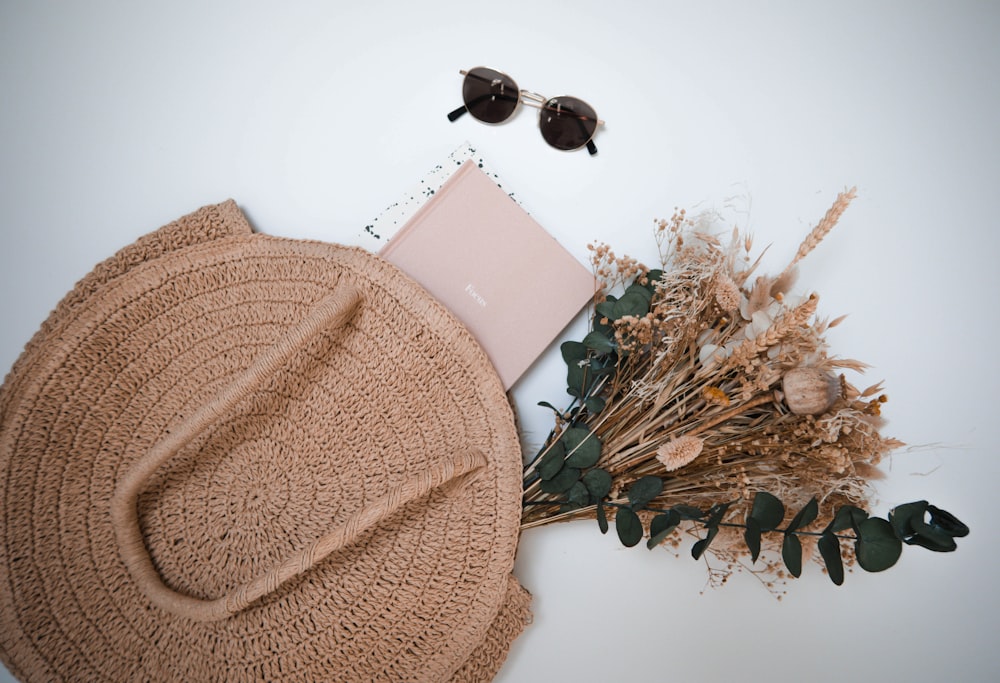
pixel 705 400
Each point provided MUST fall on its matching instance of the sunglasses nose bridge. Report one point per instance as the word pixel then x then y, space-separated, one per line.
pixel 533 99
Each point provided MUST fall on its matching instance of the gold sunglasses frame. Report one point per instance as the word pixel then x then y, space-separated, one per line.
pixel 530 99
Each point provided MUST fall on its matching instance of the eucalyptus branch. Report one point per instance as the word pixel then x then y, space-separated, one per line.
pixel 730 525
pixel 877 542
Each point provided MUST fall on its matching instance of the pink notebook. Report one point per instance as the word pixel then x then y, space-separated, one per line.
pixel 481 255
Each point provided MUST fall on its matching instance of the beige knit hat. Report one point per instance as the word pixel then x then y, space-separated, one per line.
pixel 228 456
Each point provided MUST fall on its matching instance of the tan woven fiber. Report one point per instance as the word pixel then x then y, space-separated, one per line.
pixel 233 457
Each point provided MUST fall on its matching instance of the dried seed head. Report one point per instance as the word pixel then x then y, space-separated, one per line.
pixel 715 396
pixel 727 294
pixel 809 391
pixel 679 452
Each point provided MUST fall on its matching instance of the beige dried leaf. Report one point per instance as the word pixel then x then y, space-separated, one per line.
pixel 836 321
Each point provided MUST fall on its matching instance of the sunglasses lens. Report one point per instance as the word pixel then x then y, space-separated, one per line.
pixel 567 123
pixel 489 95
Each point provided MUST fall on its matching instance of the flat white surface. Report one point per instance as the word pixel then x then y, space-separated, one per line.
pixel 117 117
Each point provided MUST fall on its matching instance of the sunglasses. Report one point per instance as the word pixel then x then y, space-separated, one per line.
pixel 492 96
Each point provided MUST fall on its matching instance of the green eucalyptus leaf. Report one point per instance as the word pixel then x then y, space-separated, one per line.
pixel 931 536
pixel 829 550
pixel 847 517
pixel 937 546
pixel 552 461
pixel 598 371
pixel 948 522
pixel 909 524
pixel 903 517
pixel 791 553
pixel 607 328
pixel 598 482
pixel 546 404
pixel 699 548
pixel 877 546
pixel 767 511
pixel 643 490
pixel 628 526
pixel 716 514
pixel 643 291
pixel 562 482
pixel 595 404
pixel 751 535
pixel 652 277
pixel 575 380
pixel 573 352
pixel 662 526
pixel 575 355
pixel 632 303
pixel 606 308
pixel 688 512
pixel 806 516
pixel 578 495
pixel 600 342
pixel 583 447
pixel 602 517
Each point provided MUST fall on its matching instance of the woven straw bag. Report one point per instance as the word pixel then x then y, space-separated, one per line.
pixel 227 456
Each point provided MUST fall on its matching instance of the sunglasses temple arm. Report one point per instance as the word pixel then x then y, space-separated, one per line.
pixel 452 116
pixel 591 147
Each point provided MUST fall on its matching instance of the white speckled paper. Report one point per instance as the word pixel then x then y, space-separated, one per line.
pixel 380 231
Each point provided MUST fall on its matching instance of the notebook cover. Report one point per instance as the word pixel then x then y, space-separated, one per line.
pixel 481 255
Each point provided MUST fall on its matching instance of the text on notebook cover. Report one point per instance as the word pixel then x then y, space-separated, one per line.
pixel 471 291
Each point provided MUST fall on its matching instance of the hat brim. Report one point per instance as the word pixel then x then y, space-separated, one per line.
pixel 393 392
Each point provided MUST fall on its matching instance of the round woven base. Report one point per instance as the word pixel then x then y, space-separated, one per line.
pixel 343 424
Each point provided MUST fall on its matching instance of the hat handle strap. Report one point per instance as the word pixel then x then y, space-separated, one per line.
pixel 335 310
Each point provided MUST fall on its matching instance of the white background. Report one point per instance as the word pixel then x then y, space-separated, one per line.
pixel 117 117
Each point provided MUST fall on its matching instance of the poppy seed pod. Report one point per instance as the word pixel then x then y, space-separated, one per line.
pixel 809 391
